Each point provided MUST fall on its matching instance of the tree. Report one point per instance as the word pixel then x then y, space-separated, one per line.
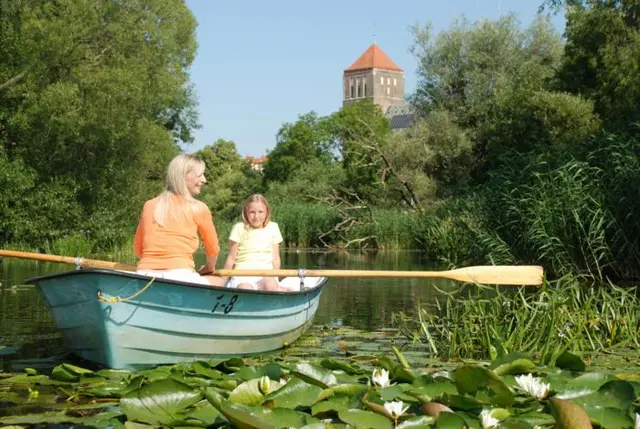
pixel 297 144
pixel 602 57
pixel 96 94
pixel 355 130
pixel 495 81
pixel 230 179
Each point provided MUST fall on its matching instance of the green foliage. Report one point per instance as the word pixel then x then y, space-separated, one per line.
pixel 297 144
pixel 359 130
pixel 313 181
pixel 602 58
pixel 92 110
pixel 230 179
pixel 539 122
pixel 31 212
pixel 470 68
pixel 431 160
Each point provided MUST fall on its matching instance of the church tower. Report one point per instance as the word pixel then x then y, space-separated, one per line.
pixel 374 76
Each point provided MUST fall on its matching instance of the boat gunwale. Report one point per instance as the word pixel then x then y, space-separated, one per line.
pixel 127 274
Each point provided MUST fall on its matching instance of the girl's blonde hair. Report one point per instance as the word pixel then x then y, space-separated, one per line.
pixel 256 198
pixel 176 184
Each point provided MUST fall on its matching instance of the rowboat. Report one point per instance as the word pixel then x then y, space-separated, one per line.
pixel 123 320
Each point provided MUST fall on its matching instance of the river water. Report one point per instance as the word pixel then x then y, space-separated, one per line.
pixel 28 333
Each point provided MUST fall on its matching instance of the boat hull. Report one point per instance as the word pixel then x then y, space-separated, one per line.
pixel 119 320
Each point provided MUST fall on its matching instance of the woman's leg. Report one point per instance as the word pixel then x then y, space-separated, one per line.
pixel 215 280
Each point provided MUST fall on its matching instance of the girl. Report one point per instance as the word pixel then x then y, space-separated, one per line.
pixel 254 245
pixel 167 233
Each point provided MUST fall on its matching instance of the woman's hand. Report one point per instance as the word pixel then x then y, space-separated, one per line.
pixel 209 266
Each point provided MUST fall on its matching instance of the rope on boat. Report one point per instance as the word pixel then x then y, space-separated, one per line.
pixel 103 298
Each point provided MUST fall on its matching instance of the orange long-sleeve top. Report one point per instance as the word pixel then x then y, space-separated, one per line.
pixel 172 246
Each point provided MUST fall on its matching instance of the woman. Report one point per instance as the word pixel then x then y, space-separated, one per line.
pixel 167 233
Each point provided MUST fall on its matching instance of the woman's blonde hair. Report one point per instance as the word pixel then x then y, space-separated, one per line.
pixel 176 184
pixel 256 198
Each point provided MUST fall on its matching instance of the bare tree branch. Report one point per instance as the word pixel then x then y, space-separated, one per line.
pixel 17 78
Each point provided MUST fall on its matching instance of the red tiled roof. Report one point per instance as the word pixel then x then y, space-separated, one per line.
pixel 373 57
pixel 258 160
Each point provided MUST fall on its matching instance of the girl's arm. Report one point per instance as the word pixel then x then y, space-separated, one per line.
pixel 276 256
pixel 233 252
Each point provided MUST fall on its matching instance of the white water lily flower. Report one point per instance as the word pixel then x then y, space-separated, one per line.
pixel 637 426
pixel 380 377
pixel 488 421
pixel 533 386
pixel 395 408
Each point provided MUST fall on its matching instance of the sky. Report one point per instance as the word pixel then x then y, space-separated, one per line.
pixel 261 64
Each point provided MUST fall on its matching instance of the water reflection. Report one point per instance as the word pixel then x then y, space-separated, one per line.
pixel 362 303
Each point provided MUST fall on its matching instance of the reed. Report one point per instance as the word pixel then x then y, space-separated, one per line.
pixel 77 243
pixel 491 322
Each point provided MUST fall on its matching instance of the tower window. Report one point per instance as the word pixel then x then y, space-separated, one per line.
pixel 352 89
pixel 388 81
pixel 388 90
pixel 381 80
pixel 394 81
pixel 364 87
pixel 358 88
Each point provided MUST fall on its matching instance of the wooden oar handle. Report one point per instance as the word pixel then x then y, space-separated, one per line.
pixel 82 262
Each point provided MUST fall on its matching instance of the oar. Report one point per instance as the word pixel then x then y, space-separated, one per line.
pixel 486 274
pixel 94 263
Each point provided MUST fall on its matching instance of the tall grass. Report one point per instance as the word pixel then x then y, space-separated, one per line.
pixel 564 313
pixel 574 214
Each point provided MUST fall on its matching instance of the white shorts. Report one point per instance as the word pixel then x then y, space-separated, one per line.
pixel 234 282
pixel 181 275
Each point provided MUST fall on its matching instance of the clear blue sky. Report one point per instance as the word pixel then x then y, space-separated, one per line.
pixel 263 63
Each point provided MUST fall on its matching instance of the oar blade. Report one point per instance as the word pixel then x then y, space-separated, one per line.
pixel 525 275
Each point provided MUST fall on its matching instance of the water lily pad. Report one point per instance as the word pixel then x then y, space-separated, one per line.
pixel 287 418
pixel 333 364
pixel 203 412
pixel 569 415
pixel 513 363
pixel 450 421
pixel 205 370
pixel 102 420
pixel 68 372
pixel 315 374
pixel 363 418
pixel 471 378
pixel 248 393
pixel 332 405
pixel 432 391
pixel 245 417
pixel 570 361
pixel 349 390
pixel 159 402
pixel 271 370
pixel 293 394
pixel 615 393
pixel 390 393
pixel 418 422
pixel 609 417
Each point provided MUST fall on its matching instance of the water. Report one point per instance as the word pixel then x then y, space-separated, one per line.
pixel 28 333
